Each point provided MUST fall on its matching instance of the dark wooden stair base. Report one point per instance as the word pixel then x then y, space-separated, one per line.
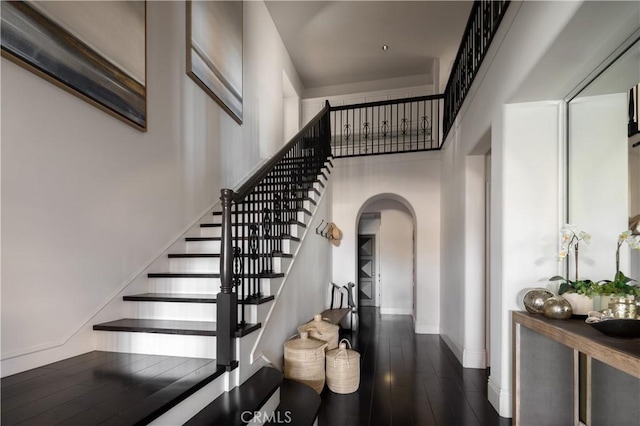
pixel 189 298
pixel 229 407
pixel 217 255
pixel 210 275
pixel 103 388
pixel 298 402
pixel 189 328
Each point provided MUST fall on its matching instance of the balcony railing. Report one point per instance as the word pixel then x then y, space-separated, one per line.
pixel 387 127
pixel 482 25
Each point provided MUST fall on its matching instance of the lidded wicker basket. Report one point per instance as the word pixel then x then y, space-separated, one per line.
pixel 343 369
pixel 304 361
pixel 322 330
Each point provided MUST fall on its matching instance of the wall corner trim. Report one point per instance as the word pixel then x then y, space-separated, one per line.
pixel 500 398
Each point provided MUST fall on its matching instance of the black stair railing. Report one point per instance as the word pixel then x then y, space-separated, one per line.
pixel 484 20
pixel 634 105
pixel 386 127
pixel 256 220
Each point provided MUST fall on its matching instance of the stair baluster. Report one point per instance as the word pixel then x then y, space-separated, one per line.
pixel 255 220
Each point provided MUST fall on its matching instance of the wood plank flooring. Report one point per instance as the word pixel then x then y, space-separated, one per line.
pixel 408 379
pixel 102 387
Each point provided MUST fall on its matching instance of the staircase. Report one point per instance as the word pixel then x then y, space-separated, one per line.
pixel 213 296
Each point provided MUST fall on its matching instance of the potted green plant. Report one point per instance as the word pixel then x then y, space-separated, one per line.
pixel 620 285
pixel 580 292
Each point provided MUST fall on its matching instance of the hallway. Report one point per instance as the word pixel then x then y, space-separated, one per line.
pixel 408 379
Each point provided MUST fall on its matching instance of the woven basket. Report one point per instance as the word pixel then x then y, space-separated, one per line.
pixel 322 330
pixel 343 369
pixel 304 361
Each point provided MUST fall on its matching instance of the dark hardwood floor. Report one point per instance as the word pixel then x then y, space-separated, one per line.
pixel 408 379
pixel 102 388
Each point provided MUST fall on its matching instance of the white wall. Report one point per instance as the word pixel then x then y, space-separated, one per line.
pixel 414 180
pixel 526 215
pixel 311 106
pixel 395 248
pixel 88 202
pixel 391 84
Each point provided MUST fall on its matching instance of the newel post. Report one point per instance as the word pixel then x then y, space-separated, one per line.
pixel 226 300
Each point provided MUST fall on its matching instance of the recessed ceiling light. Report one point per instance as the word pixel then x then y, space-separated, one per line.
pixel 385 47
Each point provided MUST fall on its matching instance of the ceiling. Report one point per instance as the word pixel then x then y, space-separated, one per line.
pixel 340 42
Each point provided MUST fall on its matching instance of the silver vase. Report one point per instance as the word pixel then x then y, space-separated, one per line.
pixel 557 307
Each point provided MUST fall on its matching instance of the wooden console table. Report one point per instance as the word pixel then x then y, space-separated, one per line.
pixel 567 371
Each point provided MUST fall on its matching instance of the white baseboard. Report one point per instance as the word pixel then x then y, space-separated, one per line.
pixel 457 350
pixel 421 328
pixel 472 358
pixel 395 311
pixel 499 398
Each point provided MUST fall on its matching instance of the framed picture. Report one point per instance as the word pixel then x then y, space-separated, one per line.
pixel 95 50
pixel 214 51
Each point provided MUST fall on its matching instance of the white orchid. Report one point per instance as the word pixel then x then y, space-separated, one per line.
pixel 560 257
pixel 633 241
pixel 571 237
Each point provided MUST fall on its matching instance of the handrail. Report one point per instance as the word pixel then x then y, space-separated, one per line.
pixel 388 102
pixel 264 170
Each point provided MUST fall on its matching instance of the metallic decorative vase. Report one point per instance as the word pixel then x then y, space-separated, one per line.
pixel 557 307
pixel 534 300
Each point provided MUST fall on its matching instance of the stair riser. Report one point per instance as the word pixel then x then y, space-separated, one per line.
pixel 156 344
pixel 212 265
pixel 288 246
pixel 189 311
pixel 201 285
pixel 217 231
pixel 195 265
pixel 301 215
pixel 203 247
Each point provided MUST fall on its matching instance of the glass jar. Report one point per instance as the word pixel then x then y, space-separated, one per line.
pixel 623 307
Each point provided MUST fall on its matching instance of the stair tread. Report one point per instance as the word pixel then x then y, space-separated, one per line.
pixel 190 328
pixel 298 402
pixel 172 297
pixel 227 409
pixel 284 237
pixel 217 255
pixel 199 328
pixel 283 210
pixel 209 275
pixel 189 298
pixel 219 225
pixel 269 191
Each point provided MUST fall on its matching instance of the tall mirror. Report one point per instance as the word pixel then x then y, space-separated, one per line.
pixel 604 165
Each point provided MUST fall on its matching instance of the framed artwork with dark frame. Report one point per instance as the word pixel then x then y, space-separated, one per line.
pixel 94 50
pixel 214 51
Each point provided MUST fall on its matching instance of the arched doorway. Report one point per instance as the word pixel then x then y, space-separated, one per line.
pixel 385 258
